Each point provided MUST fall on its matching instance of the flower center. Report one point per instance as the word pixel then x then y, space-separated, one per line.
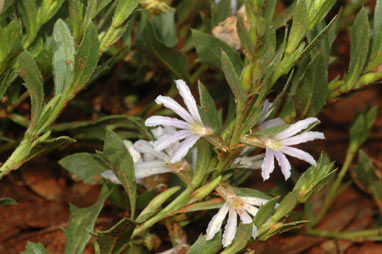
pixel 273 144
pixel 199 129
pixel 235 202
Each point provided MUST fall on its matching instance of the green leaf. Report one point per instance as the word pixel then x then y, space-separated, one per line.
pixel 359 130
pixel 272 131
pixel 165 28
pixel 76 16
pixel 220 11
pixel 313 179
pixel 359 47
pixel 209 50
pixel 375 57
pixel 232 78
pixel 247 192
pixel 312 90
pixel 123 11
pixel 113 240
pixel 299 26
pixel 366 175
pixel 30 72
pixel 202 162
pixel 279 228
pixel 63 57
pixel 81 222
pixel 34 248
pixel 288 203
pixel 265 211
pixel 317 14
pixel 45 146
pixel 174 60
pixel 243 234
pixel 211 116
pixel 86 167
pixel 118 158
pixel 269 12
pixel 29 12
pixel 7 201
pixel 11 46
pixel 202 246
pixel 85 61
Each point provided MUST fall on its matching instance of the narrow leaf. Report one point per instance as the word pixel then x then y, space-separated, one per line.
pixel 209 50
pixel 30 72
pixel 299 26
pixel 209 109
pixel 375 57
pixel 118 158
pixel 7 201
pixel 359 47
pixel 86 59
pixel 232 78
pixel 86 167
pixel 81 221
pixel 113 240
pixel 63 56
pixel 203 246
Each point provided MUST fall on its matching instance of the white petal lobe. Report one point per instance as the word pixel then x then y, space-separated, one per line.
pixel 188 99
pixel 174 106
pixel 268 164
pixel 284 164
pixel 296 128
pixel 181 150
pixel 299 154
pixel 216 222
pixel 230 228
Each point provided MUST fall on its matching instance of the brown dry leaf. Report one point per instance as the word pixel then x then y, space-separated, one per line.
pixel 227 32
pixel 41 180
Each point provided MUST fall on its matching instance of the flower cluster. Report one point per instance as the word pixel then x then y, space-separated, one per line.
pixel 178 136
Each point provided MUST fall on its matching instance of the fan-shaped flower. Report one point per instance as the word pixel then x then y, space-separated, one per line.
pixel 234 205
pixel 191 127
pixel 280 144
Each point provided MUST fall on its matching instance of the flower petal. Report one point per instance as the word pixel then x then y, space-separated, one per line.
pixel 268 164
pixel 166 121
pixel 171 138
pixel 244 217
pixel 254 200
pixel 299 154
pixel 250 209
pixel 216 222
pixel 265 111
pixel 254 231
pixel 188 99
pixel 174 106
pixel 230 228
pixel 270 123
pixel 181 150
pixel 146 148
pixel 302 138
pixel 147 168
pixel 284 164
pixel 296 128
pixel 135 154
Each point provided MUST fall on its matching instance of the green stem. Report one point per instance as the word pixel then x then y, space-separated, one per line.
pixel 18 156
pixel 333 191
pixel 105 40
pixel 364 235
pixel 17 102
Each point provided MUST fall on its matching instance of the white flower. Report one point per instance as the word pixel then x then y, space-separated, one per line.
pixel 148 161
pixel 234 205
pixel 279 145
pixel 265 112
pixel 109 174
pixel 191 127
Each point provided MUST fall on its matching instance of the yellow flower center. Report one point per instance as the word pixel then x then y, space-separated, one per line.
pixel 199 129
pixel 272 144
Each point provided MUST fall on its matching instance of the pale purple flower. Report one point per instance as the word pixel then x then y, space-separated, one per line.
pixel 234 206
pixel 190 128
pixel 280 145
pixel 264 113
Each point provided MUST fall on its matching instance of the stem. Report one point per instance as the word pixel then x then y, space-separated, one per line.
pixel 371 234
pixel 105 40
pixel 18 156
pixel 333 191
